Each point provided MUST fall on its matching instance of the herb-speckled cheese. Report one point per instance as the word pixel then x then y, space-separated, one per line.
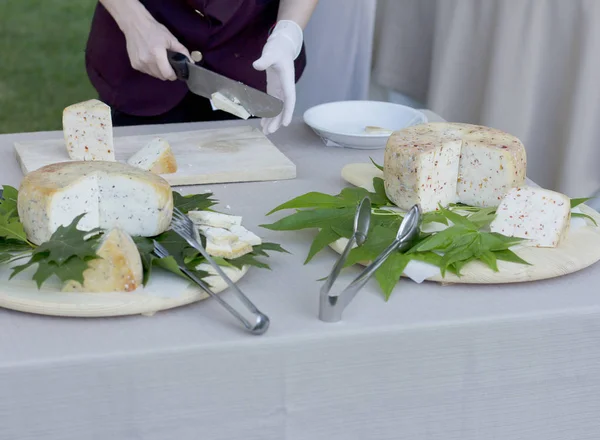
pixel 157 157
pixel 112 194
pixel 88 132
pixel 442 163
pixel 118 268
pixel 541 216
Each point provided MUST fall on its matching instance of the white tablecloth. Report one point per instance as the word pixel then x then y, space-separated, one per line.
pixel 434 363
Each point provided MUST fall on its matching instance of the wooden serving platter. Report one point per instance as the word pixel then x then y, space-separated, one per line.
pixel 580 250
pixel 219 155
pixel 163 291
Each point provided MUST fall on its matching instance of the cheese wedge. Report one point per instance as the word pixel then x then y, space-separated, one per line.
pixel 442 163
pixel 221 102
pixel 228 250
pixel 157 157
pixel 111 194
pixel 119 268
pixel 245 235
pixel 88 132
pixel 218 235
pixel 541 216
pixel 214 219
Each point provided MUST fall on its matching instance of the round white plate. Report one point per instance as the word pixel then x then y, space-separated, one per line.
pixel 163 291
pixel 580 250
pixel 343 123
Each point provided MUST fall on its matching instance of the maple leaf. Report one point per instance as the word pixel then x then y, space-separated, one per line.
pixel 11 227
pixel 8 201
pixel 68 241
pixel 196 202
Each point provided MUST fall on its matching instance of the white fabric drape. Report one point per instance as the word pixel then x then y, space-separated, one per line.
pixel 339 43
pixel 530 67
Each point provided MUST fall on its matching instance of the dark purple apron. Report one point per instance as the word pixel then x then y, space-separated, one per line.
pixel 230 34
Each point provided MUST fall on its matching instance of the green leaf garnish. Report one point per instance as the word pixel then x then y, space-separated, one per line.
pixel 193 202
pixel 8 201
pixel 577 202
pixel 379 167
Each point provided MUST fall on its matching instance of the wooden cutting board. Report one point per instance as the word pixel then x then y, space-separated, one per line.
pixel 580 250
pixel 219 155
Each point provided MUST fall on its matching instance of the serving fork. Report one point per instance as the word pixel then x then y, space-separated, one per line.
pixel 253 319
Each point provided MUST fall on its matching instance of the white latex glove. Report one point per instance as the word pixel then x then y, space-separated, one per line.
pixel 147 44
pixel 282 48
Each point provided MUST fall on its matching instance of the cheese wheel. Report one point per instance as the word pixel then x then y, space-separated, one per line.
pixel 118 268
pixel 111 194
pixel 442 163
pixel 88 132
pixel 157 157
pixel 541 216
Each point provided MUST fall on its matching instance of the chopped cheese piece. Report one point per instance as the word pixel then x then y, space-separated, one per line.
pixel 245 235
pixel 88 132
pixel 157 157
pixel 372 129
pixel 118 268
pixel 214 219
pixel 221 102
pixel 218 235
pixel 111 194
pixel 441 163
pixel 539 215
pixel 228 250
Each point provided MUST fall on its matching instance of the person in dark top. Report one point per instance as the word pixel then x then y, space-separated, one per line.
pixel 257 42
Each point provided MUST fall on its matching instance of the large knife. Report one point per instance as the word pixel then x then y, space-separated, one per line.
pixel 204 82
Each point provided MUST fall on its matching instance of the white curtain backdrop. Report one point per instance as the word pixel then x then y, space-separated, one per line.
pixel 339 43
pixel 530 67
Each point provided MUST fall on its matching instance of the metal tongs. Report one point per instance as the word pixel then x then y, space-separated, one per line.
pixel 331 305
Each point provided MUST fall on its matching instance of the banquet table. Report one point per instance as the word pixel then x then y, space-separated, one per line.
pixel 464 362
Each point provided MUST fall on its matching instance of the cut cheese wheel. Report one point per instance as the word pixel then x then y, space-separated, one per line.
pixel 88 132
pixel 221 102
pixel 541 216
pixel 157 157
pixel 111 194
pixel 442 163
pixel 118 268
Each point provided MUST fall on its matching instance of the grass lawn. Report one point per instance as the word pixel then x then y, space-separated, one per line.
pixel 42 66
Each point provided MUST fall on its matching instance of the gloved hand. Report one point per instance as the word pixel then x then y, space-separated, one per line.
pixel 282 48
pixel 147 44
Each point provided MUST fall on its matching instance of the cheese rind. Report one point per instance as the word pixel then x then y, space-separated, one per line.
pixel 88 132
pixel 111 194
pixel 157 157
pixel 541 216
pixel 442 163
pixel 118 268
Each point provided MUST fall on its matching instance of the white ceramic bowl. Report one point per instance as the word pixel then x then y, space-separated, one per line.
pixel 343 123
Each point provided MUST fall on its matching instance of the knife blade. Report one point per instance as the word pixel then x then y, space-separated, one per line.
pixel 205 82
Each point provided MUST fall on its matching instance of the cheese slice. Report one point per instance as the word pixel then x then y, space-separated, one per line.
pixel 118 268
pixel 221 102
pixel 214 219
pixel 228 250
pixel 111 194
pixel 541 216
pixel 245 235
pixel 218 235
pixel 88 131
pixel 157 157
pixel 442 163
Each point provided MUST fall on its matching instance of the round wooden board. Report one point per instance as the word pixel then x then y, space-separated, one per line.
pixel 580 250
pixel 164 291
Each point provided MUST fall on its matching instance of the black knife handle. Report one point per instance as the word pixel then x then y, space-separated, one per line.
pixel 179 63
